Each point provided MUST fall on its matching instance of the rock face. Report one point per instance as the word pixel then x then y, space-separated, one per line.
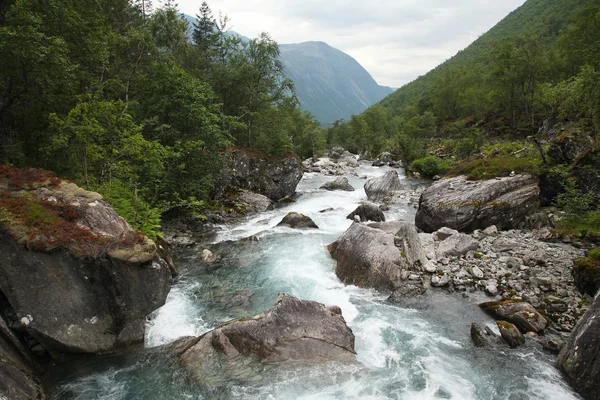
pixel 82 280
pixel 510 334
pixel 468 205
pixel 293 330
pixel 586 171
pixel 377 189
pixel 367 212
pixel 579 358
pixel 18 378
pixel 274 177
pixel 297 221
pixel 338 184
pixel 370 257
pixel 523 315
pixel 586 274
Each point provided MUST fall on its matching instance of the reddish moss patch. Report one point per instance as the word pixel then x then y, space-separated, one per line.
pixel 27 178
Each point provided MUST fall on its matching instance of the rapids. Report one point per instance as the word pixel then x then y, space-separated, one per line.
pixel 418 352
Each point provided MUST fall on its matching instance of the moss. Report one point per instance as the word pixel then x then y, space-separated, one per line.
pixel 594 254
pixel 402 253
pixel 478 256
pixel 487 168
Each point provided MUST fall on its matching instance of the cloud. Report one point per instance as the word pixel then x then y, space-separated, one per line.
pixel 396 41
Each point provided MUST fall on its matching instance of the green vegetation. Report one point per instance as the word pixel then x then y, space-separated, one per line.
pixel 430 166
pixel 487 168
pixel 114 96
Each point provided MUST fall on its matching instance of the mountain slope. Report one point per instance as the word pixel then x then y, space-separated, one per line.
pixel 330 84
pixel 543 19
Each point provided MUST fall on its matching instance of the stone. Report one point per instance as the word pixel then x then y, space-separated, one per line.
pixel 491 287
pixel 477 272
pixel 297 221
pixel 428 245
pixel 586 274
pixel 456 245
pixel 293 330
pixel 369 257
pixel 338 184
pixel 377 189
pixel 440 280
pixel 466 205
pixel 510 334
pixel 443 233
pixel 19 378
pixel 87 293
pixel 522 314
pixel 579 357
pixel 407 291
pixel 207 255
pixel 367 211
pixel 477 336
pixel 272 176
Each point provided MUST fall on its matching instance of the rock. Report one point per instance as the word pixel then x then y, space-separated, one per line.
pixel 586 273
pixel 565 148
pixel 368 257
pixel 586 172
pixel 87 289
pixel 522 314
pixel 338 184
pixel 428 245
pixel 297 221
pixel 443 233
pixel 406 291
pixel 207 255
pixel 367 212
pixel 247 202
pixel 476 272
pixel 377 189
pixel 579 357
pixel 456 245
pixel 491 287
pixel 326 210
pixel 477 336
pixel 440 280
pixel 510 334
pixel 293 330
pixel 253 170
pixel 466 205
pixel 19 379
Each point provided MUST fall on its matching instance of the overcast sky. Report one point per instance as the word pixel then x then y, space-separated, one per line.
pixel 395 40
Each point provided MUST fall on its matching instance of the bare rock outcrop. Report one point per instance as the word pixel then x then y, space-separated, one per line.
pixel 293 330
pixel 464 205
pixel 378 189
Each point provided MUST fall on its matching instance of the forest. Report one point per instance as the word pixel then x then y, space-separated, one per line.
pixel 131 101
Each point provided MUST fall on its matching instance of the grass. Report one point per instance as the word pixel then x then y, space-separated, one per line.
pixel 487 168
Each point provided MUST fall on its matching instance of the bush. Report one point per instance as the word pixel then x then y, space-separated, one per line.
pixel 430 166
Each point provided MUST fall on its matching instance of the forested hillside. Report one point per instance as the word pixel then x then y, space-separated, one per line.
pixel 115 96
pixel 511 78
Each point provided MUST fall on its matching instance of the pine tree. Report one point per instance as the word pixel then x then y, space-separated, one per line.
pixel 206 32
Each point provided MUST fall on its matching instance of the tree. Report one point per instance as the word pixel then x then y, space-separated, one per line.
pixel 206 31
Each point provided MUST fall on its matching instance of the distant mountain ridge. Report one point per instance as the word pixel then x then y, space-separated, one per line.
pixel 330 84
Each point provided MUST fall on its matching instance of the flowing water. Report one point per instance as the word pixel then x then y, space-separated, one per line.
pixel 417 352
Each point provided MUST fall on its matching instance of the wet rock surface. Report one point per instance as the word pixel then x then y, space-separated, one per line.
pixel 383 188
pixel 367 211
pixel 293 330
pixel 298 221
pixel 338 184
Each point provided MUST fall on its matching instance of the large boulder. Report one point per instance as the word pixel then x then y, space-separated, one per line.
pixel 586 171
pixel 367 211
pixel 293 330
pixel 274 177
pixel 378 189
pixel 19 379
pixel 370 257
pixel 522 314
pixel 579 359
pixel 297 221
pixel 510 334
pixel 586 273
pixel 466 205
pixel 566 147
pixel 76 275
pixel 338 184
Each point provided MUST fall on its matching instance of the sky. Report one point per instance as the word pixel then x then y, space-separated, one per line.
pixel 395 40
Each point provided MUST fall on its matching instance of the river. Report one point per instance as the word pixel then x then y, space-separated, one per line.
pixel 417 352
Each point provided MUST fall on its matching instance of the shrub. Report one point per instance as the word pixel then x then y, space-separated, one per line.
pixel 430 166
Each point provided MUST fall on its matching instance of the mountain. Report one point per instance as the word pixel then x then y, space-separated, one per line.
pixel 330 84
pixel 542 19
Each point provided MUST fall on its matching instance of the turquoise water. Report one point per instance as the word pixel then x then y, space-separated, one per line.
pixel 421 352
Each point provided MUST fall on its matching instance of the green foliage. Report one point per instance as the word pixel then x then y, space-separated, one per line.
pixel 487 168
pixel 430 166
pixel 464 140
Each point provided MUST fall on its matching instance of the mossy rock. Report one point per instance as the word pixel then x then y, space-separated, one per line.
pixel 586 272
